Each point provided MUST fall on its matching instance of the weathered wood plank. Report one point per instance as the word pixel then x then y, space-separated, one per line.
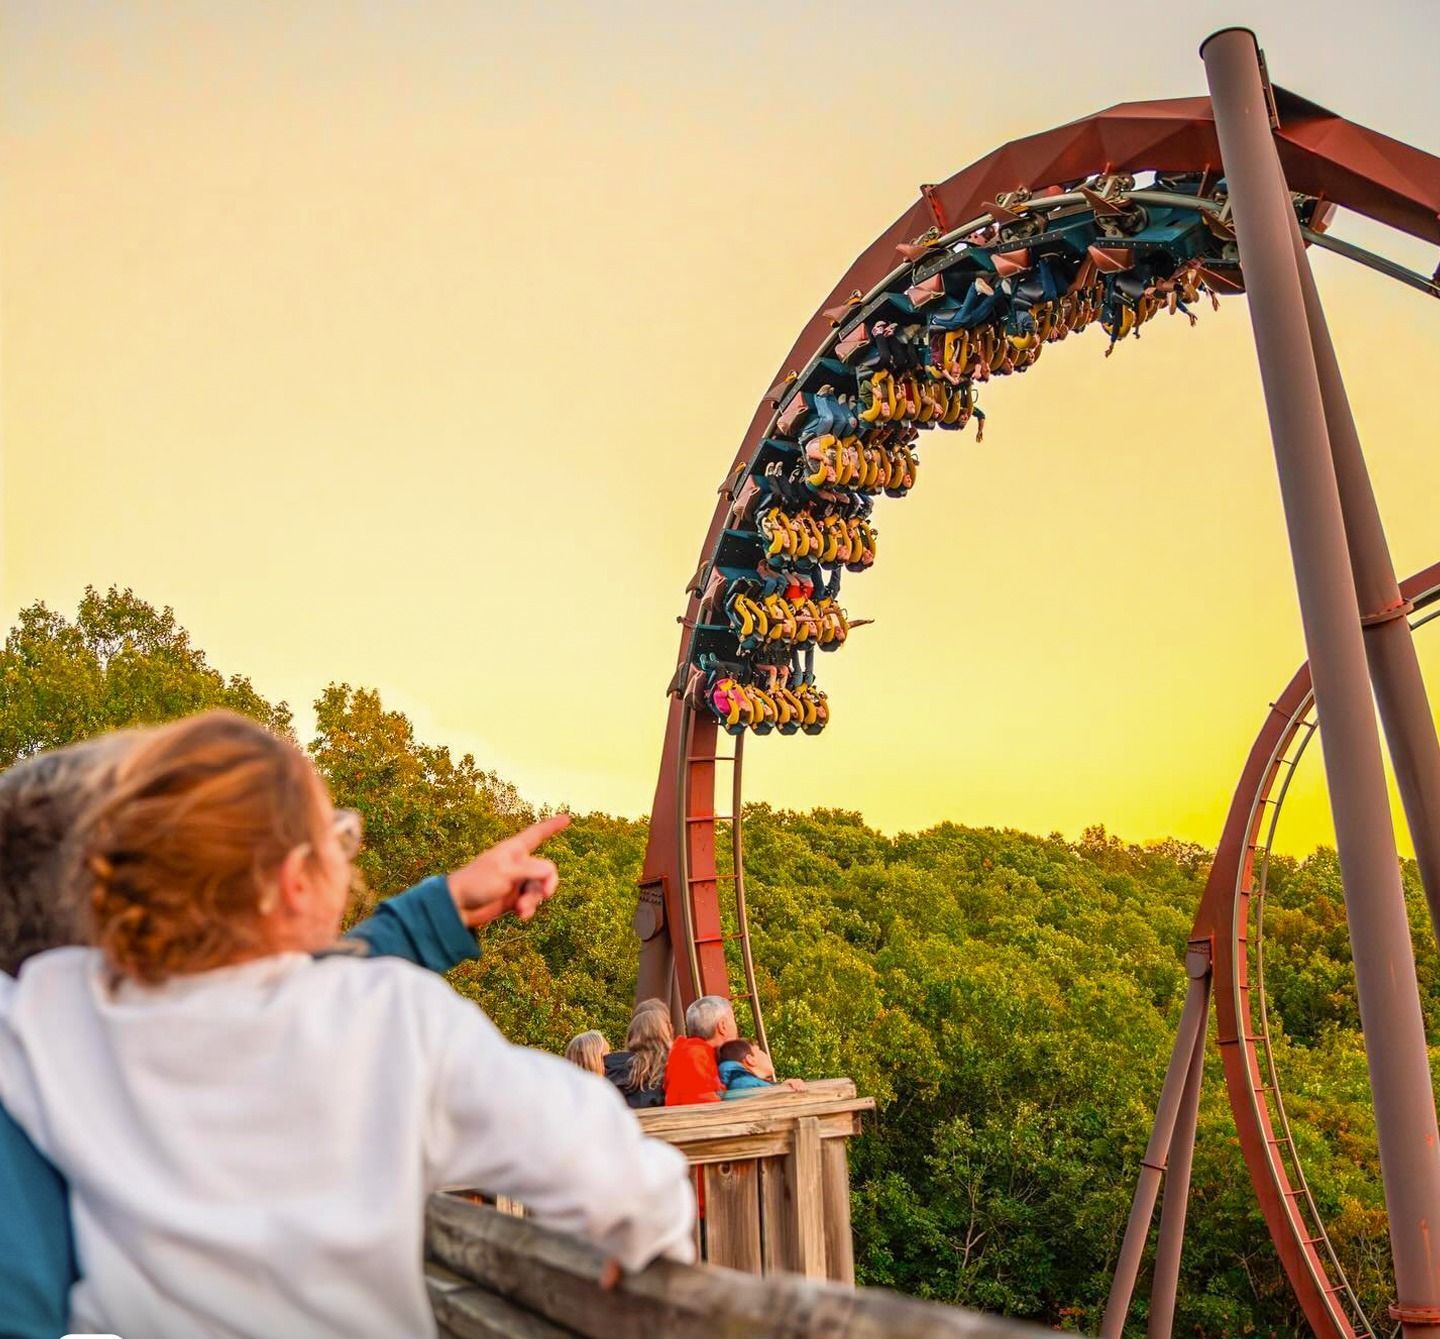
pixel 732 1215
pixel 745 1115
pixel 816 1090
pixel 820 1090
pixel 835 1211
pixel 560 1279
pixel 802 1172
pixel 748 1115
pixel 712 1146
pixel 697 1184
pixel 465 1311
pixel 777 1234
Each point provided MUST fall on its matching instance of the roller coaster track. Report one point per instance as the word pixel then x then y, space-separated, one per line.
pixel 1231 922
pixel 696 939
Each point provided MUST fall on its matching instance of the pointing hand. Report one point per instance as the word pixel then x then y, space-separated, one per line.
pixel 508 877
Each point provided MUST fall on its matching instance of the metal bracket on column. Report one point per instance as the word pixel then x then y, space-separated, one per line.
pixel 1267 88
pixel 649 918
pixel 1400 609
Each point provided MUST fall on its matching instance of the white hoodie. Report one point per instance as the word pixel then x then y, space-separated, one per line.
pixel 249 1149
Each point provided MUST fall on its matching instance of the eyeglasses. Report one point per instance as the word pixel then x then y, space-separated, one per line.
pixel 349 830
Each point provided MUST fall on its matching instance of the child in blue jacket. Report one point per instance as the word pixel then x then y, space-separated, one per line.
pixel 747 1071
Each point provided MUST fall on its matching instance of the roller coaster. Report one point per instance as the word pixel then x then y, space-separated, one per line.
pixel 1102 225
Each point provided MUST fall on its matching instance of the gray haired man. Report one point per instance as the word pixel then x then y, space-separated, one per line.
pixel 692 1074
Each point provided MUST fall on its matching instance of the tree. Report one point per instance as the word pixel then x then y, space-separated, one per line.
pixel 120 662
pixel 424 812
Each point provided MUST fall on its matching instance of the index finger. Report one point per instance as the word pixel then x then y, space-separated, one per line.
pixel 529 838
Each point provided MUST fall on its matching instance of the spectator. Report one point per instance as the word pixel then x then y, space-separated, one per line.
pixel 639 1070
pixel 309 1105
pixel 41 800
pixel 588 1051
pixel 746 1071
pixel 691 1075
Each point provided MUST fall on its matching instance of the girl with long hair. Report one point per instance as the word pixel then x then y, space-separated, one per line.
pixel 639 1070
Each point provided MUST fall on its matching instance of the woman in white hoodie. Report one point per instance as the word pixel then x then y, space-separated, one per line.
pixel 249 1132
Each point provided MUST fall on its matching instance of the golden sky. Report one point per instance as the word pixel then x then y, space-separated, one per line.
pixel 407 344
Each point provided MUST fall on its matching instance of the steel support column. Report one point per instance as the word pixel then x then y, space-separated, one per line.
pixel 1166 1279
pixel 1389 645
pixel 656 974
pixel 1189 1038
pixel 1384 958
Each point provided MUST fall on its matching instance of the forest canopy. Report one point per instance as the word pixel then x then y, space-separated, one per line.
pixel 1009 1000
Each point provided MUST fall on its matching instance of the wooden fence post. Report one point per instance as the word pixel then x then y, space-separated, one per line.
pixel 732 1215
pixel 839 1245
pixel 802 1175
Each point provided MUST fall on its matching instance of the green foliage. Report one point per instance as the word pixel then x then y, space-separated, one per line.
pixel 1010 1000
pixel 121 662
pixel 424 812
pixel 573 967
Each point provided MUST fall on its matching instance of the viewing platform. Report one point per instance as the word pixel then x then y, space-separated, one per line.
pixel 772 1173
pixel 774 1176
pixel 496 1276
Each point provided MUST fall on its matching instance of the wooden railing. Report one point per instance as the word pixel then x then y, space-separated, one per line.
pixel 774 1177
pixel 494 1276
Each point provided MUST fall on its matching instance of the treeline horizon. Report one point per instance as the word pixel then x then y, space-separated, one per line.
pixel 1010 1000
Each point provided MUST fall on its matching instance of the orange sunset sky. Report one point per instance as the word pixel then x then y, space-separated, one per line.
pixel 406 345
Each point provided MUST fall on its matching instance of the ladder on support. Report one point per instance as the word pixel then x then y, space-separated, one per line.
pixel 700 825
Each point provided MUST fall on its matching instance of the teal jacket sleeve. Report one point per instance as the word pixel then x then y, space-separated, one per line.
pixel 37 1255
pixel 421 925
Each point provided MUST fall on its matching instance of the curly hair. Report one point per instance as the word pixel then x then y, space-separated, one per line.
pixel 180 849
pixel 41 799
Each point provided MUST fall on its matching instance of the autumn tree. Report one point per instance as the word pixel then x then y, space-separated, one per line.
pixel 120 662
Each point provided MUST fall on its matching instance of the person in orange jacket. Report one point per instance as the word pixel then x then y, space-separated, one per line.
pixel 692 1074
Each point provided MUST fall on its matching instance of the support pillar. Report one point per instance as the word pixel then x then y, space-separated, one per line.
pixel 661 873
pixel 1166 1279
pixel 1384 959
pixel 656 974
pixel 1189 1039
pixel 1389 644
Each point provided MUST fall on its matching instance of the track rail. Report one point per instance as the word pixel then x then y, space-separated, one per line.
pixel 1284 1154
pixel 1231 920
pixel 706 961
